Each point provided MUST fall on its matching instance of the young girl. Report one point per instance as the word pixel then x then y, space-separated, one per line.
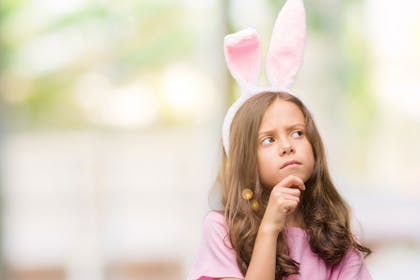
pixel 282 217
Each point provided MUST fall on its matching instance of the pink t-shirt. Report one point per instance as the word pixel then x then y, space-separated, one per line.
pixel 217 259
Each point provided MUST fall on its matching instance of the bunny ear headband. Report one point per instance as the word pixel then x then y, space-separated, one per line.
pixel 284 58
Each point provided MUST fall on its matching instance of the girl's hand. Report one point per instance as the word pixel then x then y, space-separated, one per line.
pixel 284 199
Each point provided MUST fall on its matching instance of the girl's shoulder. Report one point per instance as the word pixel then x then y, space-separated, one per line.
pixel 215 215
pixel 214 218
pixel 216 258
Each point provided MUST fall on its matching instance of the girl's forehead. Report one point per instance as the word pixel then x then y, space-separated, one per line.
pixel 283 112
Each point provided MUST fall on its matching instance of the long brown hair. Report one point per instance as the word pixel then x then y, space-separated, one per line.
pixel 326 215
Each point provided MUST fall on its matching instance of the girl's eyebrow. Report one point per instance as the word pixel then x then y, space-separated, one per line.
pixel 266 132
pixel 289 127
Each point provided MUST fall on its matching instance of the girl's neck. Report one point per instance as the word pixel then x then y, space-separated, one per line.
pixel 295 219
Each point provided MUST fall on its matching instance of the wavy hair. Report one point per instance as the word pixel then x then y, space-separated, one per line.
pixel 326 215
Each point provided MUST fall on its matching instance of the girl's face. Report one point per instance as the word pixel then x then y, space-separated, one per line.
pixel 283 147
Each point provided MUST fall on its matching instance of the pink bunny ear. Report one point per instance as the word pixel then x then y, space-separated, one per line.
pixel 243 56
pixel 285 54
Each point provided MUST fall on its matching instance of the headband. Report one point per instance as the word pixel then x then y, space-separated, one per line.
pixel 284 58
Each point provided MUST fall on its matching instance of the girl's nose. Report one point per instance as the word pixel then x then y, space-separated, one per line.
pixel 285 148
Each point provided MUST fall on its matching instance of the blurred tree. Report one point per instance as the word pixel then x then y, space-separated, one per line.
pixel 354 74
pixel 44 55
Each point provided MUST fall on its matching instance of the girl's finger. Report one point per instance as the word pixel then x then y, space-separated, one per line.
pixel 291 181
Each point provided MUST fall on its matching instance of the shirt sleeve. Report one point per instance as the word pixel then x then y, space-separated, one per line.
pixel 216 258
pixel 352 267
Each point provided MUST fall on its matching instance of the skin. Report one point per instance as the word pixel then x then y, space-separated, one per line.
pixel 281 140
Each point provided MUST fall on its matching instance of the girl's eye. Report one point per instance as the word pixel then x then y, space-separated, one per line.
pixel 267 140
pixel 297 133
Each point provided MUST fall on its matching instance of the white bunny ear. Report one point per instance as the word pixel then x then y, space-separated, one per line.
pixel 243 56
pixel 285 54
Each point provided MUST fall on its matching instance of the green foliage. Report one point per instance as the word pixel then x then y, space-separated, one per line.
pixel 10 6
pixel 319 20
pixel 136 36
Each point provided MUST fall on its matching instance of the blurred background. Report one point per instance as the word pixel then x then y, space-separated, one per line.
pixel 110 128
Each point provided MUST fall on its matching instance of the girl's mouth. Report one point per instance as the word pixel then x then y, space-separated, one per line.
pixel 290 163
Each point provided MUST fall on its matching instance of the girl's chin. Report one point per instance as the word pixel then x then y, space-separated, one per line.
pixel 269 185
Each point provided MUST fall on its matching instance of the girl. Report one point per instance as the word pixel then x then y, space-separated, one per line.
pixel 282 217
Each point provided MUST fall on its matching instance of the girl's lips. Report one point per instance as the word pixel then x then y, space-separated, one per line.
pixel 292 162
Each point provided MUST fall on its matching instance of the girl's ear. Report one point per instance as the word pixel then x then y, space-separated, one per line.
pixel 243 56
pixel 285 54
